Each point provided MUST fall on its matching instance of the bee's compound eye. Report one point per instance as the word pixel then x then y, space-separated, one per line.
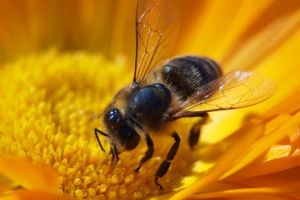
pixel 113 117
pixel 125 136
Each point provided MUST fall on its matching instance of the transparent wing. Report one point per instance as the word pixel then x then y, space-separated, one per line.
pixel 236 89
pixel 155 27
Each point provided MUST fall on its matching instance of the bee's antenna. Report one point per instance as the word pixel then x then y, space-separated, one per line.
pixel 97 131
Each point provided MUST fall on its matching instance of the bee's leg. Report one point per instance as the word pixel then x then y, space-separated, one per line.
pixel 195 130
pixel 164 166
pixel 148 153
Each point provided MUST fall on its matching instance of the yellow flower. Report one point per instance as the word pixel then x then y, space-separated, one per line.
pixel 49 99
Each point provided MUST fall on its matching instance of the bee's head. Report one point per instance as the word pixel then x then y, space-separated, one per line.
pixel 122 137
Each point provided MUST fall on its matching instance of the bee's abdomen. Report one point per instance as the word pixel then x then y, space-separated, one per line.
pixel 187 74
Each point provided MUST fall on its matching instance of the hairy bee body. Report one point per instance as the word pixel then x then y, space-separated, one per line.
pixel 148 105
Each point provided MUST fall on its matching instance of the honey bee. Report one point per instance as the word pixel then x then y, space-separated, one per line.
pixel 163 91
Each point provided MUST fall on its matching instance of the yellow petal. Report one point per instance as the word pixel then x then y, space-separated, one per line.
pixel 28 175
pixel 262 146
pixel 35 194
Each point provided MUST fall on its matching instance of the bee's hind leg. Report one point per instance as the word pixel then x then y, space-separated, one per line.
pixel 195 130
pixel 164 166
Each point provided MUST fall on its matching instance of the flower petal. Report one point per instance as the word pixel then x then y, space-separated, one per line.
pixel 28 175
pixel 35 194
pixel 262 146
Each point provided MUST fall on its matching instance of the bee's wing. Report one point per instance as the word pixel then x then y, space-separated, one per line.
pixel 155 28
pixel 236 89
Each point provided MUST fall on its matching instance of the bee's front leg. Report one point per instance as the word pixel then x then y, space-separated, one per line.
pixel 148 153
